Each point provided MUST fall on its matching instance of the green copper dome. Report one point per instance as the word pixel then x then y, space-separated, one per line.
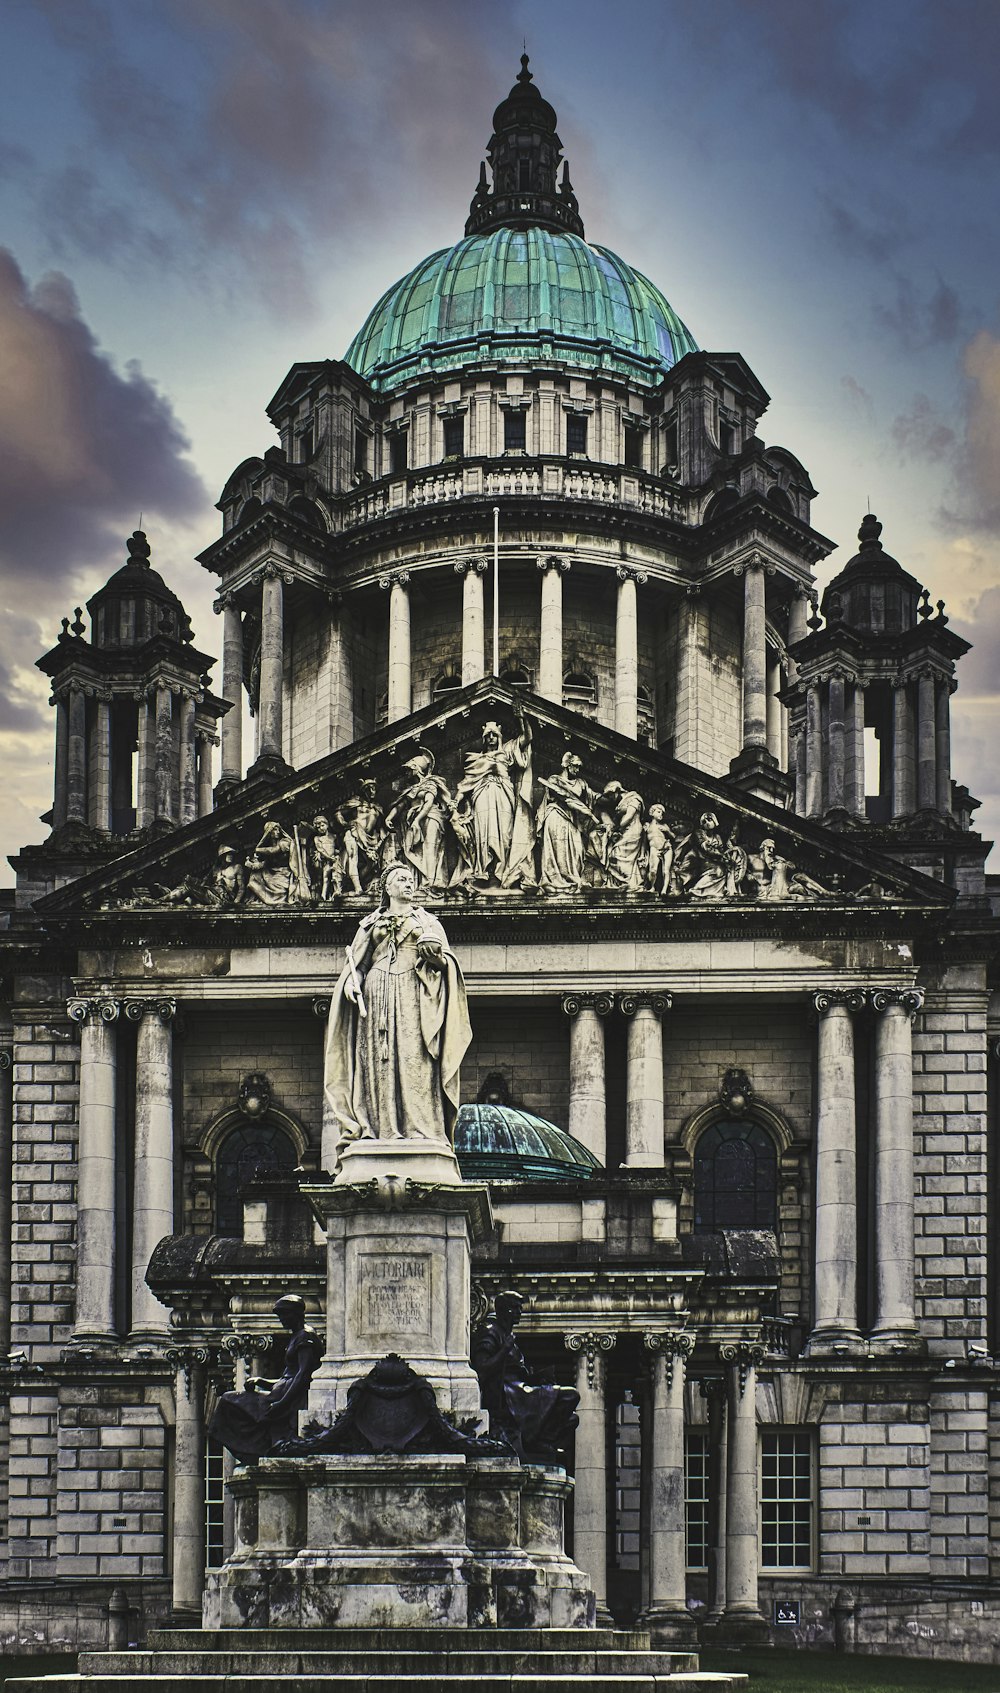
pixel 501 1143
pixel 530 295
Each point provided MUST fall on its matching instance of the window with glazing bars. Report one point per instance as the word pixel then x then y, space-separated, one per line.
pixel 514 431
pixel 215 1550
pixel 696 1497
pixel 454 437
pixel 576 434
pixel 786 1499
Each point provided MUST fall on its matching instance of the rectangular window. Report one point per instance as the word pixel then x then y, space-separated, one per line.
pixel 696 1497
pixel 397 453
pixel 576 435
pixel 786 1499
pixel 515 431
pixel 360 452
pixel 215 1551
pixel 305 446
pixel 633 448
pixel 670 444
pixel 454 437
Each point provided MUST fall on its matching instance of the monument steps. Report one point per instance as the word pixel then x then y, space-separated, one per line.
pixel 434 1682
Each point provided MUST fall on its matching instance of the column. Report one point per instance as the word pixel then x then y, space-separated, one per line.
pixel 204 743
pixel 272 653
pixel 550 645
pixel 644 1088
pixel 627 652
pixel 99 775
pixel 399 643
pixel 895 1317
pixel 164 755
pixel 943 736
pixel 145 764
pixel 774 707
pixel 714 1393
pixel 232 690
pixel 60 799
pixel 189 1488
pixel 590 1496
pixel 754 656
pixel 667 1614
pixel 798 625
pixel 587 1099
pixel 814 751
pixel 926 741
pixel 95 1179
pixel 188 761
pixel 836 1254
pixel 854 751
pixel 153 1191
pixel 472 571
pixel 903 797
pixel 742 1613
pixel 76 787
pixel 835 785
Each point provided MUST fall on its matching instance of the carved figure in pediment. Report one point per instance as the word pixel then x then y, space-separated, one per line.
pixel 276 873
pixel 708 864
pixel 229 882
pixel 566 817
pixel 493 821
pixel 420 818
pixel 659 856
pixel 779 881
pixel 325 859
pixel 362 821
pixel 627 841
pixel 399 1023
pixel 598 842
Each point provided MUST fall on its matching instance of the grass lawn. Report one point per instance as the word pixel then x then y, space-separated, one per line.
pixel 831 1672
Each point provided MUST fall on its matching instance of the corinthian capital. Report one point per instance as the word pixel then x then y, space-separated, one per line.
pixel 592 1343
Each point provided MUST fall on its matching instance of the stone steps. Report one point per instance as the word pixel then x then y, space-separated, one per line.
pixel 434 1682
pixel 401 1639
pixel 250 1662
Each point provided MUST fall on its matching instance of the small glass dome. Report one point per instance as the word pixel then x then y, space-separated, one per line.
pixel 501 1143
pixel 520 295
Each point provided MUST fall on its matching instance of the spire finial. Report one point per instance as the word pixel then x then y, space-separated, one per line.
pixel 525 74
pixel 869 533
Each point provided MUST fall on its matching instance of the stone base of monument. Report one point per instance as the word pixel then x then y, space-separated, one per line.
pixel 399 1542
pixel 400 1225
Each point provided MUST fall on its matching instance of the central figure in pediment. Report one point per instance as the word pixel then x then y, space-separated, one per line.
pixel 493 820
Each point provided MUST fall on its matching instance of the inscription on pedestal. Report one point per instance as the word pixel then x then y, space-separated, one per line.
pixel 395 1294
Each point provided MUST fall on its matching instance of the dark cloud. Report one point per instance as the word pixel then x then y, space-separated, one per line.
pixel 859 397
pixel 82 445
pixel 18 710
pixel 287 135
pixel 875 237
pixel 921 433
pixel 918 322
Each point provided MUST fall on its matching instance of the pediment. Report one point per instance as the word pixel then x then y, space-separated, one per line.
pixel 496 797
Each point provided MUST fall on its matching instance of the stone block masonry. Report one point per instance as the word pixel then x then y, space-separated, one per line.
pixel 111 1483
pixel 874 1490
pixel 45 1105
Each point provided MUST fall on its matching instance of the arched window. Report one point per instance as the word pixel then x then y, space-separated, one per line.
pixel 515 675
pixel 579 690
pixel 735 1178
pixel 447 683
pixel 249 1150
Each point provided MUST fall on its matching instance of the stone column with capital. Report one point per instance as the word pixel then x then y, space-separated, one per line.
pixel 60 798
pixel 153 1186
pixel 550 644
pixel 926 741
pixel 835 750
pixel 895 1327
pixel 399 696
pixel 95 1178
pixel 666 1615
pixel 189 1485
pixel 644 1086
pixel 854 750
pixel 76 788
pixel 815 761
pixel 943 739
pixel 472 571
pixel 232 690
pixel 903 786
pixel 754 657
pixel 272 651
pixel 587 1095
pixel 836 1256
pixel 204 755
pixel 627 652
pixel 99 773
pixel 165 777
pixel 590 1498
pixel 188 783
pixel 742 1619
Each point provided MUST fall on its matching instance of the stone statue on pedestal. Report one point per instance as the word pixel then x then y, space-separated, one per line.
pixel 399 1023
pixel 535 1416
pixel 250 1424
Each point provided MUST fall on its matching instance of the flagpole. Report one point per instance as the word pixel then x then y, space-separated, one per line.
pixel 496 590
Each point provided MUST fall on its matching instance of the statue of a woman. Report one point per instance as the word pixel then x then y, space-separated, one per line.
pixel 251 1423
pixel 492 821
pixel 399 1023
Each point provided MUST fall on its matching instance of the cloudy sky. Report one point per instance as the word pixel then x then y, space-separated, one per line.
pixel 196 193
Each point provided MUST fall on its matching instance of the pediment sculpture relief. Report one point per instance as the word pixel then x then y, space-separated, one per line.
pixel 494 816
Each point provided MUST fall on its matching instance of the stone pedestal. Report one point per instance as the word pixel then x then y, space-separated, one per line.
pixel 399 1542
pixel 400 1224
